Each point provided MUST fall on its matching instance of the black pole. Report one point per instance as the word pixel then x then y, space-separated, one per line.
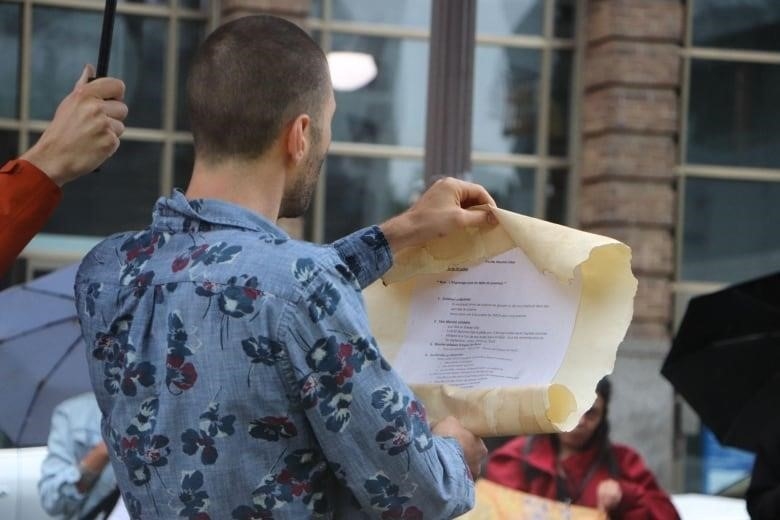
pixel 109 13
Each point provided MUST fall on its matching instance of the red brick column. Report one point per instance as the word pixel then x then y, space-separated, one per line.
pixel 631 80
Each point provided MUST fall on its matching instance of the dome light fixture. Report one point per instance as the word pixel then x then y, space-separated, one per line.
pixel 350 71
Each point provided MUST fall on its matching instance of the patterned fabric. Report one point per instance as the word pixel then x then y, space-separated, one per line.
pixel 75 430
pixel 238 377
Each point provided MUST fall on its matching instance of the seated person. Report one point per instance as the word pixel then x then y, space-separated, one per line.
pixel 76 480
pixel 583 467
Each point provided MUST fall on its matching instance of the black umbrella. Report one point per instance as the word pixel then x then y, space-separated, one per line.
pixel 725 360
pixel 109 13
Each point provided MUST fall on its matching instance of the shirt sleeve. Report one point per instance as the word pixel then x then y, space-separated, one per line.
pixel 60 470
pixel 27 199
pixel 371 428
pixel 366 253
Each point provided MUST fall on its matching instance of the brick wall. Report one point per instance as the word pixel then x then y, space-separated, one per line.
pixel 631 79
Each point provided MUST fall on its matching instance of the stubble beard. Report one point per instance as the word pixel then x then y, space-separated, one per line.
pixel 297 201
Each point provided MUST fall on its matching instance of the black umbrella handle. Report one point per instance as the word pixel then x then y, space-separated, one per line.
pixel 109 13
pixel 106 35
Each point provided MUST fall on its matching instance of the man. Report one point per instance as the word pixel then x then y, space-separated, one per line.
pixel 75 481
pixel 234 366
pixel 84 132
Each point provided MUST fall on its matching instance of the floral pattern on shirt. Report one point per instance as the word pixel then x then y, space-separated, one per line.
pixel 294 482
pixel 272 428
pixel 140 449
pixel 236 299
pixel 408 422
pixel 328 384
pixel 120 369
pixel 212 426
pixel 261 350
pixel 192 497
pixel 205 254
pixel 180 373
pixel 249 363
pixel 386 497
pixel 138 249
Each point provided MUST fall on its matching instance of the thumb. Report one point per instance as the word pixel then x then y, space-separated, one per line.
pixel 86 74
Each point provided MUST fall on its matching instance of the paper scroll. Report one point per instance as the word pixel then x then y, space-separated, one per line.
pixel 508 329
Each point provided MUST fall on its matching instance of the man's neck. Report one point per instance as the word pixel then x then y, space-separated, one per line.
pixel 255 185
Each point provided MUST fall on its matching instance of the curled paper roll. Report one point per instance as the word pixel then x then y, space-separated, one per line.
pixel 592 275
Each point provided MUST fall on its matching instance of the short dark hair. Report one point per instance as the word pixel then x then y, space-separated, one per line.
pixel 248 79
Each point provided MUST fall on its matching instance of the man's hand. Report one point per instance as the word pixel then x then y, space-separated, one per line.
pixel 442 209
pixel 474 449
pixel 91 466
pixel 85 130
pixel 608 495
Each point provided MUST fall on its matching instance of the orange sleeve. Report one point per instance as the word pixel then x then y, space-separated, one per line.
pixel 27 199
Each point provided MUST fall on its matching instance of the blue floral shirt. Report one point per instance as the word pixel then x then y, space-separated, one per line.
pixel 238 378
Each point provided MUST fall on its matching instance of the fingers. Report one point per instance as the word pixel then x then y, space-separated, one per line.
pixel 117 127
pixel 473 195
pixel 474 449
pixel 106 88
pixel 115 109
pixel 476 466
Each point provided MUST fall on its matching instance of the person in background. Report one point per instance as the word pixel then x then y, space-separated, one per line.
pixel 583 467
pixel 84 132
pixel 76 481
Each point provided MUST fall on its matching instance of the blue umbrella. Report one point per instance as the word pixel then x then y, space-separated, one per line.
pixel 42 359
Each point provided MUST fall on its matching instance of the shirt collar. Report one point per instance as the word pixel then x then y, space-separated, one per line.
pixel 181 214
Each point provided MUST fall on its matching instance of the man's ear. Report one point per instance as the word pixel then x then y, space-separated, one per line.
pixel 297 138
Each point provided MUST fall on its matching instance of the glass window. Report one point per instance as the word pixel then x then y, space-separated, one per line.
pixel 137 55
pixel 751 25
pixel 560 97
pixel 183 160
pixel 390 109
pixel 119 197
pixel 734 116
pixel 506 99
pixel 565 18
pixel 10 24
pixel 9 145
pixel 511 187
pixel 315 8
pixel 201 5
pixel 363 191
pixel 556 196
pixel 505 17
pixel 730 229
pixel 191 33
pixel 398 12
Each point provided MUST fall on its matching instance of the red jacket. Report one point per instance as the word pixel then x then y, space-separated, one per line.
pixel 642 498
pixel 27 199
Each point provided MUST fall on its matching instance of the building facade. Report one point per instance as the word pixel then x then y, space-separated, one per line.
pixel 651 121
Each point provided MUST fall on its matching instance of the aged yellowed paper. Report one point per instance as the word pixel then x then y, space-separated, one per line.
pixel 508 329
